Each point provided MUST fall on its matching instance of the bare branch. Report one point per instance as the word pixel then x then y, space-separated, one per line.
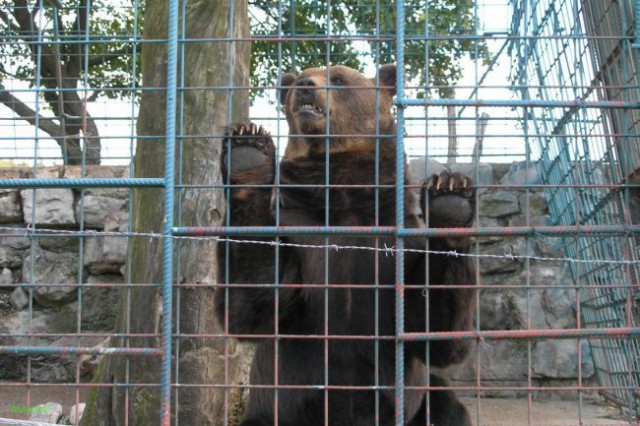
pixel 108 57
pixel 29 28
pixel 7 73
pixel 94 96
pixel 68 143
pixel 35 10
pixel 74 66
pixel 45 124
pixel 7 20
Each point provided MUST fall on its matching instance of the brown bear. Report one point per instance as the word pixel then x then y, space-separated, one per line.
pixel 323 317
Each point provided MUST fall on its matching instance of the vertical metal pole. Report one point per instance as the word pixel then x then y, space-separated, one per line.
pixel 636 43
pixel 169 182
pixel 399 285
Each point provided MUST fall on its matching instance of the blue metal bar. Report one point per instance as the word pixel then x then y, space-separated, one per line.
pixel 400 162
pixel 82 183
pixel 636 44
pixel 169 183
pixel 97 40
pixel 528 103
pixel 76 350
pixel 408 232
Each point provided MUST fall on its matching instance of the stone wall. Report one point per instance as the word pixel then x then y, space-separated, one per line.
pixel 514 298
pixel 74 279
pixel 518 293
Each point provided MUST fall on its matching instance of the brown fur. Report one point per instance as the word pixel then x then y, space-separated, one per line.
pixel 354 121
pixel 360 136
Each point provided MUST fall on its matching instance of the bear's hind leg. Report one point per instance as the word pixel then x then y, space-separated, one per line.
pixel 444 408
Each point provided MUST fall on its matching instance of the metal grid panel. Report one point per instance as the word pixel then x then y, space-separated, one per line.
pixel 570 121
pixel 583 50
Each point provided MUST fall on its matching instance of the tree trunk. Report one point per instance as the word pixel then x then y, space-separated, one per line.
pixel 196 360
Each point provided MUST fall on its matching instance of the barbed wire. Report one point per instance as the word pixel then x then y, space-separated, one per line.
pixel 30 232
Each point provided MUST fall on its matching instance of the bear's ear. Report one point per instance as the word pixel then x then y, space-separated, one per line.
pixel 387 78
pixel 285 82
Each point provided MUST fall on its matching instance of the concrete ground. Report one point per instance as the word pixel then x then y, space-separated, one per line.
pixel 490 411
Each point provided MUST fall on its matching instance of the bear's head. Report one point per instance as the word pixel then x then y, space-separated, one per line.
pixel 339 103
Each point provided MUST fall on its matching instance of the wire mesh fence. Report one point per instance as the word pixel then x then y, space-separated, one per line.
pixel 294 212
pixel 587 54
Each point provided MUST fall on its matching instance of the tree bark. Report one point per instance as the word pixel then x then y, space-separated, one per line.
pixel 205 112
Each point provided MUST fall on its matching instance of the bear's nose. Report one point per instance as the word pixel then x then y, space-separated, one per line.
pixel 305 89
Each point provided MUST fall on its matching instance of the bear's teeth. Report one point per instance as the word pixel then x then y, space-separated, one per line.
pixel 309 106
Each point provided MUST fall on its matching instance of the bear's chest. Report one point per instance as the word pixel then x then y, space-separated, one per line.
pixel 349 191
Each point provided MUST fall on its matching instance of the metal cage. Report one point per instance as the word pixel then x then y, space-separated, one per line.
pixel 585 54
pixel 566 124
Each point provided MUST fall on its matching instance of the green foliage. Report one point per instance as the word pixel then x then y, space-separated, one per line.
pixel 115 36
pixel 101 54
pixel 438 33
pixel 287 36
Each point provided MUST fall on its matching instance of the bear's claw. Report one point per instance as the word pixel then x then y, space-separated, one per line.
pixel 251 146
pixel 451 200
pixel 448 182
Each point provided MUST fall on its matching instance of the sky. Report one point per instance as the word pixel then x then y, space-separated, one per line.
pixel 502 142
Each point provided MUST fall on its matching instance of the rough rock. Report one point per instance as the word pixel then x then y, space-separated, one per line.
pixel 10 258
pixel 534 203
pixel 549 246
pixel 6 278
pixel 499 204
pixel 52 270
pixel 105 255
pixel 534 220
pixel 44 368
pixel 14 241
pixel 556 359
pixel 10 208
pixel 19 298
pixel 5 303
pixel 505 252
pixel 500 360
pixel 60 243
pixel 76 412
pixel 521 173
pixel 95 210
pixel 58 320
pixel 100 303
pixel 559 305
pixel 100 172
pixel 499 310
pixel 490 222
pixel 117 222
pixel 46 413
pixel 54 207
pixel 482 175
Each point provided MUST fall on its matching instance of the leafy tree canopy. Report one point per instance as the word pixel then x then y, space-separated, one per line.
pixel 98 36
pixel 94 42
pixel 438 33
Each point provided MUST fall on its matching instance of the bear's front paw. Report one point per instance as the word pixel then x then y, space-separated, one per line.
pixel 451 200
pixel 251 148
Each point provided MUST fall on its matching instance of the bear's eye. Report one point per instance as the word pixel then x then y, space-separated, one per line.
pixel 337 81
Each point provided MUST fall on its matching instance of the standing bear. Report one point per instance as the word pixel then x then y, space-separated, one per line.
pixel 323 316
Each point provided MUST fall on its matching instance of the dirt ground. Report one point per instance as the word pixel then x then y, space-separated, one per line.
pixel 515 412
pixel 490 411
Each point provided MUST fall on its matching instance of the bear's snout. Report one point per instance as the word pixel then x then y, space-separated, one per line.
pixel 306 90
